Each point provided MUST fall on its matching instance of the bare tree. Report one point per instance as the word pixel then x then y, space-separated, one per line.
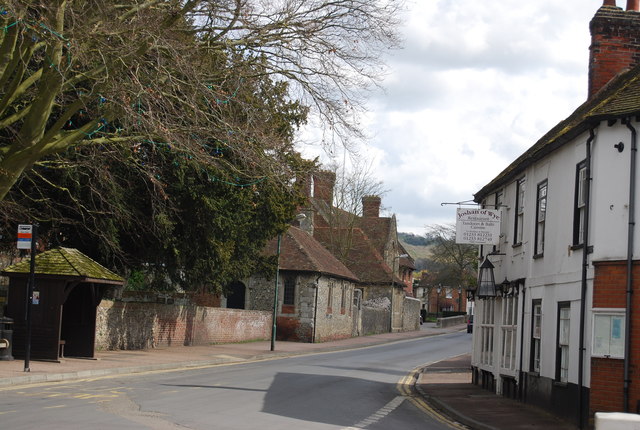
pixel 456 264
pixel 171 73
pixel 352 185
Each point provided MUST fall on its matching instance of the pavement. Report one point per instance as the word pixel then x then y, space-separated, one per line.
pixel 445 386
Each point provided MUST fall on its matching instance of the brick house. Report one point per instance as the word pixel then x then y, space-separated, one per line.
pixel 562 331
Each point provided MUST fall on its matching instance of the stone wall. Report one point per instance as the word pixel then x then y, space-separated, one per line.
pixel 122 325
pixel 375 320
pixel 376 309
pixel 411 314
pixel 313 317
pixel 334 317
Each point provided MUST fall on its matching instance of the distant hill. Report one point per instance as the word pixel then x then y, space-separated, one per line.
pixel 417 252
pixel 418 247
pixel 414 239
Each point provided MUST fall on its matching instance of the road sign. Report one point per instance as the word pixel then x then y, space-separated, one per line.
pixel 25 233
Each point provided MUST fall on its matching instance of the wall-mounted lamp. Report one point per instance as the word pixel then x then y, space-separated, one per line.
pixel 509 288
pixel 619 146
pixel 486 281
pixel 471 292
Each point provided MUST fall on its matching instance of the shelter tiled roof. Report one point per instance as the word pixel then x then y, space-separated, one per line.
pixel 301 252
pixel 617 100
pixel 66 262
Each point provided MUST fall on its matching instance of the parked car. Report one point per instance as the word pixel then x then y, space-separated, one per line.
pixel 470 324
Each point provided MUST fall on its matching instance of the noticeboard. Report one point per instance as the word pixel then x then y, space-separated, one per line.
pixel 478 226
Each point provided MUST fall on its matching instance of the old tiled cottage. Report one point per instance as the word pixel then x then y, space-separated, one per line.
pixel 316 291
pixel 341 274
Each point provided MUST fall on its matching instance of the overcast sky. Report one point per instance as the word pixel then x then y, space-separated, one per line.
pixel 475 85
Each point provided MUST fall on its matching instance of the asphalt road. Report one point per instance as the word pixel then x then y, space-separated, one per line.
pixel 345 390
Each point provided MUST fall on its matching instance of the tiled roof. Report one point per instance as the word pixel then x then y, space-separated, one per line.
pixel 363 258
pixel 378 230
pixel 619 99
pixel 66 262
pixel 301 252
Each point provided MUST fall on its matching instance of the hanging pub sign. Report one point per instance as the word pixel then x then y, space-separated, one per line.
pixel 478 226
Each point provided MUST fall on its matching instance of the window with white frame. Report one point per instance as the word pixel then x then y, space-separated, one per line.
pixel 536 334
pixel 519 217
pixel 562 358
pixel 486 332
pixel 608 333
pixel 541 216
pixel 509 332
pixel 580 203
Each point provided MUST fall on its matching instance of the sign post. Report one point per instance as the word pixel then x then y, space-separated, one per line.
pixel 27 237
pixel 25 233
pixel 478 226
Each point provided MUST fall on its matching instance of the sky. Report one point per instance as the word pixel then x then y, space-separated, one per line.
pixel 475 85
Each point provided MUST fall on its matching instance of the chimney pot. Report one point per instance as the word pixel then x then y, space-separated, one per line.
pixel 323 183
pixel 615 43
pixel 371 206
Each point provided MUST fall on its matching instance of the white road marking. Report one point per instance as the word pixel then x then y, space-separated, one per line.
pixel 379 414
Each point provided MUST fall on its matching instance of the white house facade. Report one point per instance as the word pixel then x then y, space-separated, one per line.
pixel 560 331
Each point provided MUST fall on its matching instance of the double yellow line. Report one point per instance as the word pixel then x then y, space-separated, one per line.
pixel 406 387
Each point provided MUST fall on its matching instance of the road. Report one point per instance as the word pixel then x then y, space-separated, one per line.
pixel 343 390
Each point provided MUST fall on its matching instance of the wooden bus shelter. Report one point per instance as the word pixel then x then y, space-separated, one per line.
pixel 68 289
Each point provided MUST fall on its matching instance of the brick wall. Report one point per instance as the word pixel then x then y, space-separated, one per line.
pixel 607 374
pixel 122 325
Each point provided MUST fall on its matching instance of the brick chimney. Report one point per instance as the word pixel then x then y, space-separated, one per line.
pixel 371 206
pixel 323 183
pixel 615 42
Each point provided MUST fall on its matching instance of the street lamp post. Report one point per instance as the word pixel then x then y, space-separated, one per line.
pixel 459 299
pixel 298 217
pixel 275 295
pixel 438 291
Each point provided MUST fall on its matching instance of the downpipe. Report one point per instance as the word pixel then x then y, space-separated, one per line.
pixel 583 284
pixel 630 244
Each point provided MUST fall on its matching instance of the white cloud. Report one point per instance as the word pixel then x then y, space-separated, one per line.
pixel 476 84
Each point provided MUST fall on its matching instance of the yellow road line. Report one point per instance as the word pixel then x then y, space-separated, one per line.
pixel 406 387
